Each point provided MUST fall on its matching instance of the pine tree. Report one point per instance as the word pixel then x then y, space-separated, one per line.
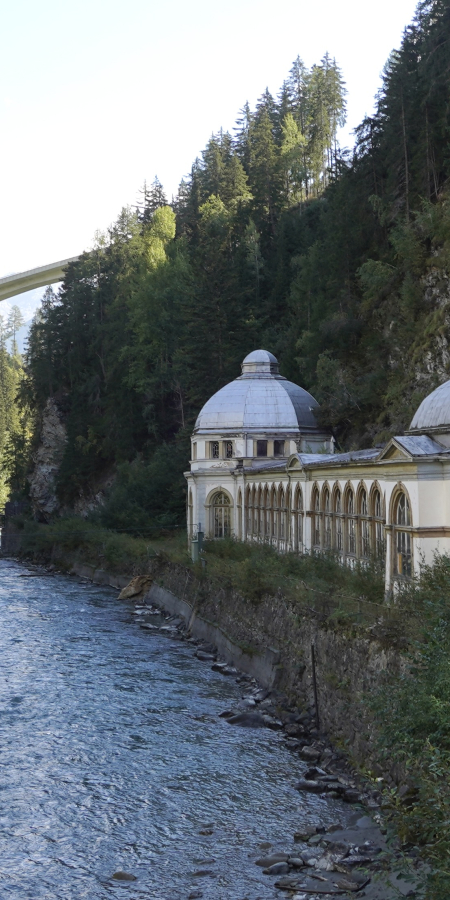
pixel 264 175
pixel 14 323
pixel 152 199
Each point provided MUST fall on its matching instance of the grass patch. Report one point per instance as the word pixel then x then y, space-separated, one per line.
pixel 102 548
pixel 319 582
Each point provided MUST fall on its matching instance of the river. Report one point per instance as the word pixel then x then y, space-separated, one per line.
pixel 113 757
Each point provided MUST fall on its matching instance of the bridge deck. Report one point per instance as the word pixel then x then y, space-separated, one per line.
pixel 33 278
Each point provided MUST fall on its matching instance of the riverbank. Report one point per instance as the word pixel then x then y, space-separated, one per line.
pixel 356 654
pixel 335 851
pixel 331 860
pixel 271 610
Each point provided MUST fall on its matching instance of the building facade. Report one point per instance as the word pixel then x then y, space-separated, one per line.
pixel 263 469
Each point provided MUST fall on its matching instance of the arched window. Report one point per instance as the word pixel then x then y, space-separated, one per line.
pixel 190 515
pixel 249 510
pixel 260 514
pixel 316 517
pixel 327 518
pixel 338 542
pixel 403 540
pixel 266 514
pixel 365 525
pixel 283 515
pixel 378 524
pixel 221 507
pixel 351 524
pixel 298 519
pixel 255 511
pixel 273 515
pixel 288 505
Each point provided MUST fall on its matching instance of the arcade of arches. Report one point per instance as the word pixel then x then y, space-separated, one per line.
pixel 348 523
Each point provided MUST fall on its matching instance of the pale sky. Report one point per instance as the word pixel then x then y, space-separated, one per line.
pixel 98 95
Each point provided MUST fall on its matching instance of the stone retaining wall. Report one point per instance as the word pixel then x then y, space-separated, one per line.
pixel 349 665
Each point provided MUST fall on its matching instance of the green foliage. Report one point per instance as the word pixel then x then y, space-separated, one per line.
pixel 414 714
pixel 123 554
pixel 15 418
pixel 147 495
pixel 317 581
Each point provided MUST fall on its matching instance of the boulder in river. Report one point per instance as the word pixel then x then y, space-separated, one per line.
pixel 279 868
pixel 123 876
pixel 310 754
pixel 247 720
pixel 266 861
pixel 137 587
pixel 306 784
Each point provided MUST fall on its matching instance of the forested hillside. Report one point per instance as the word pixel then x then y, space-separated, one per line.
pixel 15 419
pixel 338 263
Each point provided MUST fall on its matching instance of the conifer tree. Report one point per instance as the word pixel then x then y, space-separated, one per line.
pixel 14 323
pixel 152 199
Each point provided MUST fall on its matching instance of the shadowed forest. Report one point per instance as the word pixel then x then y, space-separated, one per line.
pixel 337 262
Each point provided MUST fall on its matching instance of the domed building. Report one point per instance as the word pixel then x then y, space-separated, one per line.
pixel 433 415
pixel 263 468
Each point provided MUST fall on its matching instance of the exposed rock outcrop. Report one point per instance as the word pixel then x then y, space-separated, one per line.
pixel 47 460
pixel 137 587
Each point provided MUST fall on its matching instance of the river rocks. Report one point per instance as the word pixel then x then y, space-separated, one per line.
pixel 272 723
pixel 310 754
pixel 267 861
pixel 306 784
pixel 335 786
pixel 305 833
pixel 351 796
pixel 315 772
pixel 289 883
pixel 123 876
pixel 358 860
pixel 295 731
pixel 346 885
pixel 204 656
pixel 280 868
pixel 224 669
pixel 247 720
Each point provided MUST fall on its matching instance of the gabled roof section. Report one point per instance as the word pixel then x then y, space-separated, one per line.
pixel 406 446
pixel 260 466
pixel 313 460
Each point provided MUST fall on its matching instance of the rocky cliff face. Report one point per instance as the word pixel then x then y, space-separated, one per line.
pixel 47 460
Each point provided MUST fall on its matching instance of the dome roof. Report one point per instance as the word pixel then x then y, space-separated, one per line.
pixel 259 400
pixel 434 411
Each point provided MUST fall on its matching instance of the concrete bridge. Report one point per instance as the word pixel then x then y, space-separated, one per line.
pixel 33 278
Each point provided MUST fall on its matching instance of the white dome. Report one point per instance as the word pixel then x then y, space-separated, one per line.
pixel 259 400
pixel 434 411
